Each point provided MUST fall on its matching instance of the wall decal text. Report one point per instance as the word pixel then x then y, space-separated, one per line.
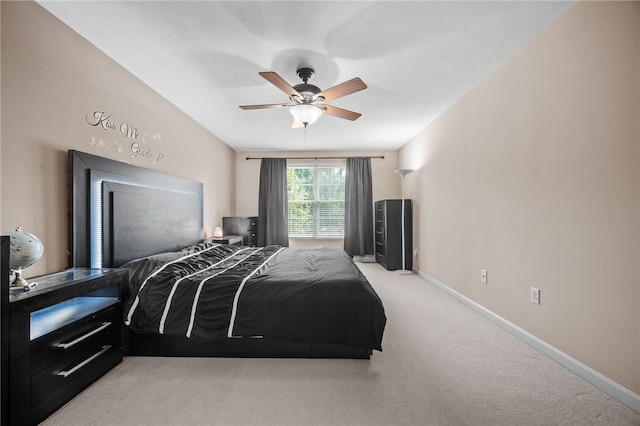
pixel 138 142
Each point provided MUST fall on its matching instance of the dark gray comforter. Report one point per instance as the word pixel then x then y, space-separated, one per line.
pixel 210 292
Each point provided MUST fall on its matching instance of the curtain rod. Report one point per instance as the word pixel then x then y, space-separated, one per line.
pixel 317 158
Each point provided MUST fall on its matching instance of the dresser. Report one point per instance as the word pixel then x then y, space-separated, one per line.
pixel 388 234
pixel 246 226
pixel 64 334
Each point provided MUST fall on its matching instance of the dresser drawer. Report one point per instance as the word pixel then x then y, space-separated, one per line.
pixel 72 374
pixel 75 340
pixel 252 239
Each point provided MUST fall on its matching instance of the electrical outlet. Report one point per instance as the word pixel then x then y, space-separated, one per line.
pixel 483 275
pixel 535 295
pixel 415 251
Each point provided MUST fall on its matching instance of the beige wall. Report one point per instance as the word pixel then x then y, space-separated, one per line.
pixel 385 183
pixel 535 176
pixel 52 79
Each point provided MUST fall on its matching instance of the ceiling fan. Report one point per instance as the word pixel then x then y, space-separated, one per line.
pixel 307 100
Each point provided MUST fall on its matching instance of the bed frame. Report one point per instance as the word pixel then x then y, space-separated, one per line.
pixel 120 212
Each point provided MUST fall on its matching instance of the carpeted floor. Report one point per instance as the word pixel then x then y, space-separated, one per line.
pixel 442 364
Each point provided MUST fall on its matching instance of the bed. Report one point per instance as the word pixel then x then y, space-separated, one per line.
pixel 193 297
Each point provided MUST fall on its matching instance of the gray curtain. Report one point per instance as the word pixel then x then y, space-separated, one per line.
pixel 358 215
pixel 273 223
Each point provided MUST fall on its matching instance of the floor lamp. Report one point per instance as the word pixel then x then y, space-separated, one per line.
pixel 403 173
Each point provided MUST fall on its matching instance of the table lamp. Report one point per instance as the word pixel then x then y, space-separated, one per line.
pixel 217 233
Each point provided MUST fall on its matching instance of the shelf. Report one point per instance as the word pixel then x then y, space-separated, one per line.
pixel 57 316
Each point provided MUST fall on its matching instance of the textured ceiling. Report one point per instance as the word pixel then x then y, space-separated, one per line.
pixel 417 58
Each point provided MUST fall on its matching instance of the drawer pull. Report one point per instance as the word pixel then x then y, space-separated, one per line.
pixel 81 338
pixel 67 373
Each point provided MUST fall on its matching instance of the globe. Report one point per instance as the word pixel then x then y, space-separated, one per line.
pixel 25 250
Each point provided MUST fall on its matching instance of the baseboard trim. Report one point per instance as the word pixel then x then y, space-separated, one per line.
pixel 608 386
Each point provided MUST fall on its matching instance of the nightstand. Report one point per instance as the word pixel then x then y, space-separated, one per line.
pixel 232 240
pixel 64 334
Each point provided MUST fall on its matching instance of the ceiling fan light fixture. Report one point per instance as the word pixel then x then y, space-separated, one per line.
pixel 305 113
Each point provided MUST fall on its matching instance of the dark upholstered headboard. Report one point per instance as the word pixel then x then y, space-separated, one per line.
pixel 119 212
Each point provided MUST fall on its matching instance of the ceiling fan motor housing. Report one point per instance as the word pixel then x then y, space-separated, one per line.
pixel 308 91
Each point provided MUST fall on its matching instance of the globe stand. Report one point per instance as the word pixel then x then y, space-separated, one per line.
pixel 20 284
pixel 18 281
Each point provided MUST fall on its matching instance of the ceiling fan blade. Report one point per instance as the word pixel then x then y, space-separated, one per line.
pixel 296 124
pixel 339 112
pixel 343 89
pixel 265 106
pixel 273 78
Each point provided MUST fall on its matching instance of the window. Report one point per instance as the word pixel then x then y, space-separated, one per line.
pixel 316 201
